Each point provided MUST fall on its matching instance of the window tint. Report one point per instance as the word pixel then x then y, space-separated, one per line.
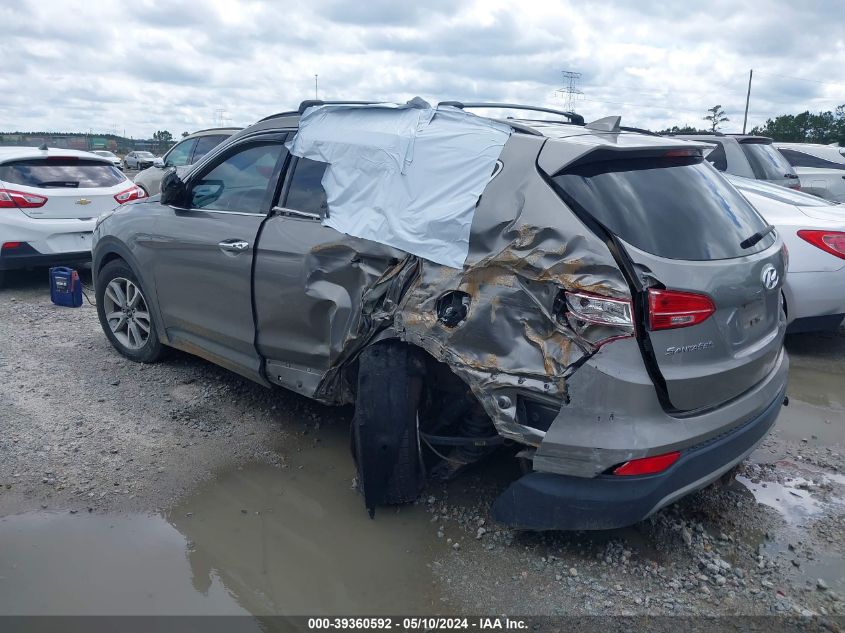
pixel 240 182
pixel 62 172
pixel 679 208
pixel 766 161
pixel 180 154
pixel 205 144
pixel 800 159
pixel 306 191
pixel 717 157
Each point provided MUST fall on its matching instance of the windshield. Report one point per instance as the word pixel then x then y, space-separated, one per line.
pixel 144 155
pixel 61 173
pixel 678 208
pixel 767 162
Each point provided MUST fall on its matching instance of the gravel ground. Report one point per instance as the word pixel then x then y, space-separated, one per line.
pixel 88 431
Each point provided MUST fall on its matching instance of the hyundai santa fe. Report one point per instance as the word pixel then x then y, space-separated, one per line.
pixel 599 303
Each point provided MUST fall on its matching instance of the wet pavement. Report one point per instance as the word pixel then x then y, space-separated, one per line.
pixel 177 527
pixel 257 539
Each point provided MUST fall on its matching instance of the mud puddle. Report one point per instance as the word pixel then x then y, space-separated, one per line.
pixel 257 540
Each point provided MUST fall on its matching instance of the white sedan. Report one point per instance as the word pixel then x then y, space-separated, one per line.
pixel 814 233
pixel 115 159
pixel 821 168
pixel 49 203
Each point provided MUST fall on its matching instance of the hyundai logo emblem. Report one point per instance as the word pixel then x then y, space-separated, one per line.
pixel 769 276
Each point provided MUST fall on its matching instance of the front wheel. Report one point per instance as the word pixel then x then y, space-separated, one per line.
pixel 125 314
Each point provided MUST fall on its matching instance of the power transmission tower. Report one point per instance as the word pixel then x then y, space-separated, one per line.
pixel 571 90
pixel 220 117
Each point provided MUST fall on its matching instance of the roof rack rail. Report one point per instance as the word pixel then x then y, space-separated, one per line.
pixel 702 133
pixel 318 102
pixel 572 116
pixel 278 114
pixel 640 130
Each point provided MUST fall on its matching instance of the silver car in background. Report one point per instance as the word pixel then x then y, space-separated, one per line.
pixel 820 167
pixel 185 153
pixel 748 156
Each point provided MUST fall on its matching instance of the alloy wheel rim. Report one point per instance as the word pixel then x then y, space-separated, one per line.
pixel 127 313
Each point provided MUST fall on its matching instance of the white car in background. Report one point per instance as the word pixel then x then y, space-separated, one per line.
pixel 49 203
pixel 814 233
pixel 821 168
pixel 115 160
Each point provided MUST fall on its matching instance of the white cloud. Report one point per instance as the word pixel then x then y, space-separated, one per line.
pixel 147 65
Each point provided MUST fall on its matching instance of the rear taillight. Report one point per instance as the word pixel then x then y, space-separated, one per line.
pixel 832 242
pixel 596 318
pixel 796 187
pixel 133 193
pixel 647 465
pixel 669 309
pixel 10 246
pixel 20 200
pixel 599 310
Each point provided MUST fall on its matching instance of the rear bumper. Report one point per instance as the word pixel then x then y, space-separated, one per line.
pixel 548 501
pixel 29 257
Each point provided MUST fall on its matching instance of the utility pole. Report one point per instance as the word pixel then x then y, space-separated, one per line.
pixel 571 89
pixel 315 89
pixel 747 98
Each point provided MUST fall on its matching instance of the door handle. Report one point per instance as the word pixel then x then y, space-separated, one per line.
pixel 233 246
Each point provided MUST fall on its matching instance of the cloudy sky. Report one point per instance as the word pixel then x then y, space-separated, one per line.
pixel 183 65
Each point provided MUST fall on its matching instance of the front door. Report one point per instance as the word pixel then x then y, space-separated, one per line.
pixel 203 267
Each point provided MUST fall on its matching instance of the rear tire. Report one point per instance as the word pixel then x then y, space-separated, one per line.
pixel 125 314
pixel 389 392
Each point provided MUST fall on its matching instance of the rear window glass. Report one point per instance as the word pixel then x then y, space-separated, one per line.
pixel 717 157
pixel 56 173
pixel 673 207
pixel 767 163
pixel 800 159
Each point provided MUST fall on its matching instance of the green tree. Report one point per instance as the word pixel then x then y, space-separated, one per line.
pixel 163 139
pixel 716 117
pixel 806 127
pixel 683 129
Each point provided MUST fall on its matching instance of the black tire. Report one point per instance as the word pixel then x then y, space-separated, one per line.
pixel 152 349
pixel 390 379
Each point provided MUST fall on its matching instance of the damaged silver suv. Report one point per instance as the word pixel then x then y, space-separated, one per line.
pixel 597 301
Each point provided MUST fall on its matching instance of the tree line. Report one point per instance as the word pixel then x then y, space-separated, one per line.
pixel 806 127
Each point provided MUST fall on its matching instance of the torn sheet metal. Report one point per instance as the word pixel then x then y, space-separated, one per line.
pixel 407 176
pixel 523 252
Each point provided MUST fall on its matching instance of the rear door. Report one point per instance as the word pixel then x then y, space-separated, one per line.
pixel 203 264
pixel 309 282
pixel 73 187
pixel 711 320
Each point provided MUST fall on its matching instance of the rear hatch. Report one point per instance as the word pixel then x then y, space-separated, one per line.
pixel 708 302
pixel 767 162
pixel 64 187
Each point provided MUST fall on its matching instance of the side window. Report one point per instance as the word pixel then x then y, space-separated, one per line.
pixel 800 159
pixel 240 182
pixel 718 158
pixel 306 191
pixel 179 155
pixel 205 144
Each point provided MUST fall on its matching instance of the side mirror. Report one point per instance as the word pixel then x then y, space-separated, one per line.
pixel 158 162
pixel 173 189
